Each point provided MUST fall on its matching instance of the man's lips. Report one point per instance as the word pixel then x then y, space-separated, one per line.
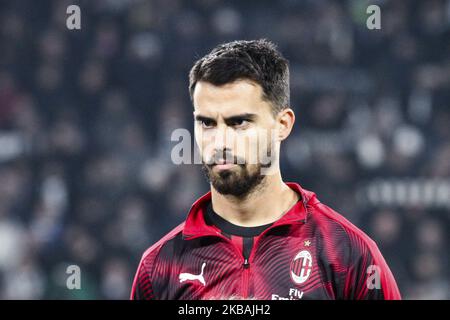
pixel 224 166
pixel 223 161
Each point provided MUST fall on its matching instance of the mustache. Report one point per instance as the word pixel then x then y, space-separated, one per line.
pixel 224 157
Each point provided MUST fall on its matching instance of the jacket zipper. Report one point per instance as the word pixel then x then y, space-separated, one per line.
pixel 245 266
pixel 245 278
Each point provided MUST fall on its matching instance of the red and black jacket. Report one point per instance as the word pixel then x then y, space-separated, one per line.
pixel 311 252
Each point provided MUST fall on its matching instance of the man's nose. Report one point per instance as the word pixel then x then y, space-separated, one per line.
pixel 223 138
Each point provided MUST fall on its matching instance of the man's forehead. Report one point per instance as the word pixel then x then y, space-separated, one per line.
pixel 241 96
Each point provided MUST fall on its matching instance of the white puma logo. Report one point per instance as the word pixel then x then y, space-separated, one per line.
pixel 189 276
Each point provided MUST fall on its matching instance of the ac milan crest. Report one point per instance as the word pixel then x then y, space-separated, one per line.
pixel 301 267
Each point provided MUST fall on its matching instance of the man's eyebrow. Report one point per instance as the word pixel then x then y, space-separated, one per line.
pixel 243 116
pixel 199 117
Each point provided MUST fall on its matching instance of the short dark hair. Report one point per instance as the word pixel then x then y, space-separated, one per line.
pixel 256 60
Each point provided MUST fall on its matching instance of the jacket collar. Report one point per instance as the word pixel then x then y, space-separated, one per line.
pixel 195 225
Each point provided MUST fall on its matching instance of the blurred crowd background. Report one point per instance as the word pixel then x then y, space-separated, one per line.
pixel 86 118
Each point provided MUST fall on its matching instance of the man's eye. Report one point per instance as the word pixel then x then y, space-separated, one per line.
pixel 206 124
pixel 240 123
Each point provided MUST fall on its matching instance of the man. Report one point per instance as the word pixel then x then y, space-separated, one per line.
pixel 254 236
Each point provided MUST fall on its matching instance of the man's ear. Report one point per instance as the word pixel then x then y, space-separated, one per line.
pixel 285 120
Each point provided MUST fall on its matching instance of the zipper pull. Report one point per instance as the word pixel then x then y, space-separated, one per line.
pixel 246 264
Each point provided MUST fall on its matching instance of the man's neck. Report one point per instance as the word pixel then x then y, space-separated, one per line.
pixel 264 205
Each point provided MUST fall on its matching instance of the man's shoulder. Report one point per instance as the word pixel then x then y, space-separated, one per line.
pixel 152 251
pixel 353 252
pixel 332 223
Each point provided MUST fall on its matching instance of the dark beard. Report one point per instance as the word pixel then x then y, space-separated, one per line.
pixel 238 183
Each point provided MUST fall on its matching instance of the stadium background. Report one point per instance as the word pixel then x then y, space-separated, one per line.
pixel 86 118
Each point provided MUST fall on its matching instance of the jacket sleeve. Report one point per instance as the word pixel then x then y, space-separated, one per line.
pixel 143 280
pixel 368 276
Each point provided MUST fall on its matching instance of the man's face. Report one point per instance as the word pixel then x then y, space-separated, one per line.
pixel 233 130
